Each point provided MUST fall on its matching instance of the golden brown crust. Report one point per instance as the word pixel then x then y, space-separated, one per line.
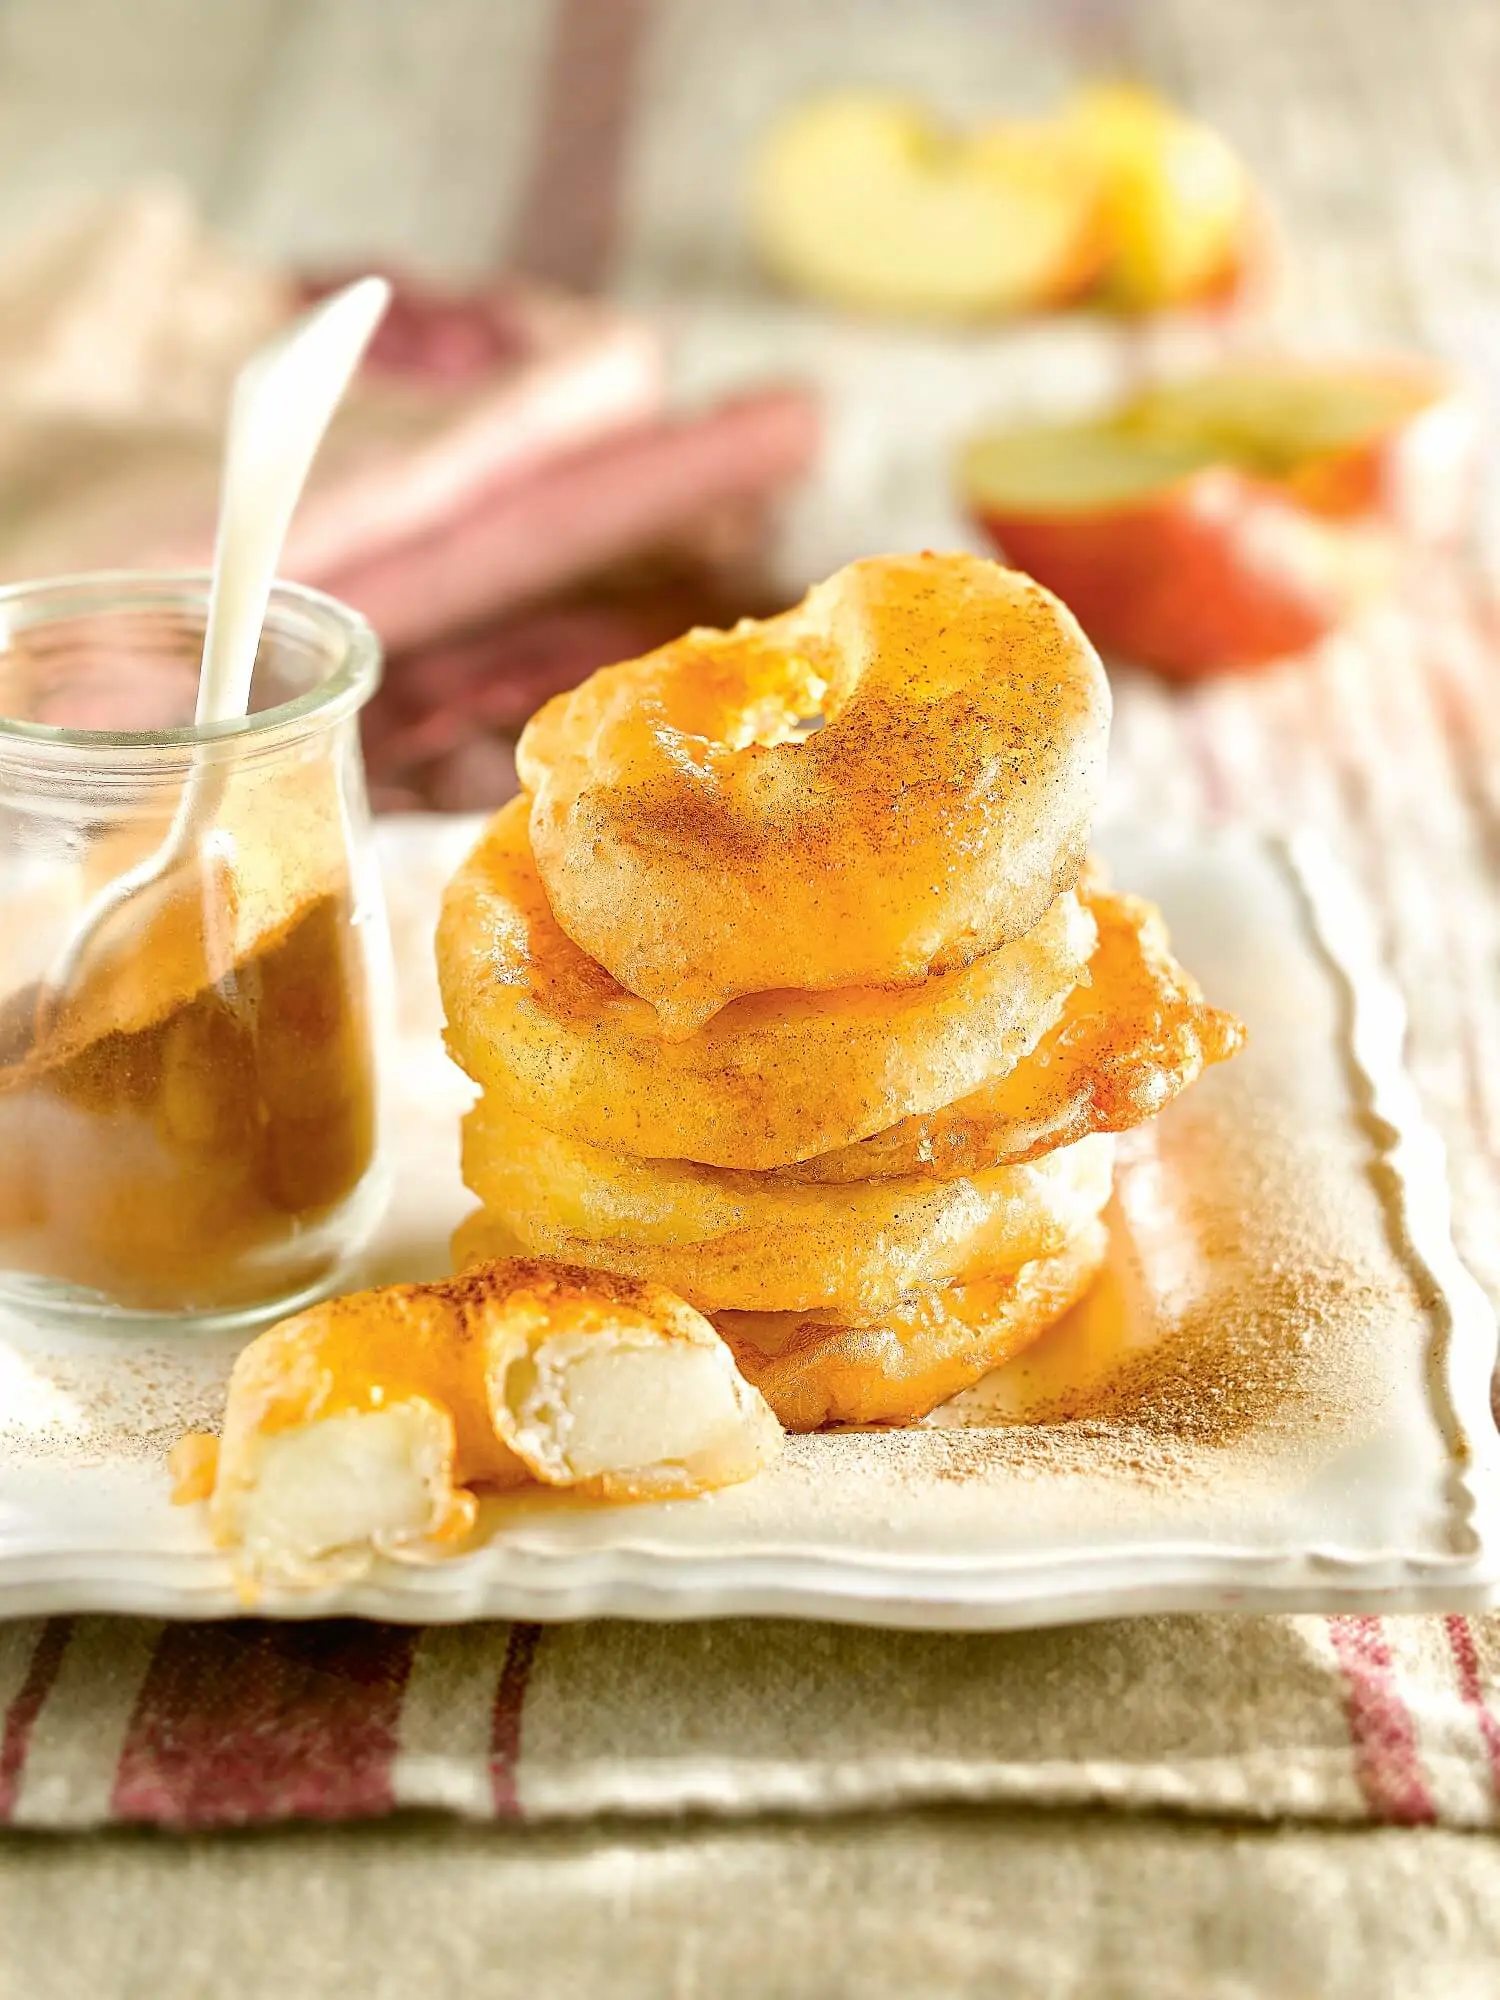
pixel 1133 1035
pixel 771 1078
pixel 692 843
pixel 734 1240
pixel 900 1365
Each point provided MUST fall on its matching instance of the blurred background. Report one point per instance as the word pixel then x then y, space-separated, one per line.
pixel 604 407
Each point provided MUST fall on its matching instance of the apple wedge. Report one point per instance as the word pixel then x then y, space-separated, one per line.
pixel 1179 210
pixel 1397 437
pixel 860 199
pixel 1229 520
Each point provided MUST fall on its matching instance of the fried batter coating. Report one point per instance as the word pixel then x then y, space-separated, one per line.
pixel 773 1078
pixel 1133 1035
pixel 367 1423
pixel 828 1029
pixel 698 846
pixel 898 1365
pixel 742 1242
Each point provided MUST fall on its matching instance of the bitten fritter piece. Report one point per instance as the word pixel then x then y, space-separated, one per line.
pixel 369 1423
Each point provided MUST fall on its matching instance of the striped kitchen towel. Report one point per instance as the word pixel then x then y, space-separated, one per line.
pixel 1393 1720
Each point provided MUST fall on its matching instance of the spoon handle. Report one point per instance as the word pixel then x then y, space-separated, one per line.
pixel 281 407
pixel 282 403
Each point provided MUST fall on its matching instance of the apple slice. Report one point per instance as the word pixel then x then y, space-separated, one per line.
pixel 1179 209
pixel 1230 520
pixel 860 199
pixel 1396 437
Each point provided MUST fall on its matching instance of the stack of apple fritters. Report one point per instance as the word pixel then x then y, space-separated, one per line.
pixel 826 1029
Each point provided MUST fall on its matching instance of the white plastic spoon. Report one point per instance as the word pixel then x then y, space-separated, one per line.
pixel 283 400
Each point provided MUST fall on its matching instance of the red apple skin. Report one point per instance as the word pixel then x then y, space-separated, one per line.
pixel 1224 571
pixel 1421 477
pixel 1216 572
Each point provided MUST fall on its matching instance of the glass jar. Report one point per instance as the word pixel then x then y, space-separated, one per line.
pixel 188 1116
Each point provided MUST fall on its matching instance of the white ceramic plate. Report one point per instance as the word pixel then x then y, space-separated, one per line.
pixel 1278 1398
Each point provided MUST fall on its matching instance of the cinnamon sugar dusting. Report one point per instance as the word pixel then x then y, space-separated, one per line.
pixel 1214 1380
pixel 106 1402
pixel 1259 1271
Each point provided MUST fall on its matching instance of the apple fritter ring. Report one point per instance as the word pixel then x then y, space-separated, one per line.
pixel 772 1078
pixel 727 1240
pixel 696 843
pixel 899 1364
pixel 1133 1035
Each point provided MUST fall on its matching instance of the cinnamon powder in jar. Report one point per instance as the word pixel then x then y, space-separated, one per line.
pixel 188 1121
pixel 176 1136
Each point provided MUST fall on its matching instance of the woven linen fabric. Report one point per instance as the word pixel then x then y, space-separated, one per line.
pixel 1374 131
pixel 1342 1719
pixel 1061 1906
